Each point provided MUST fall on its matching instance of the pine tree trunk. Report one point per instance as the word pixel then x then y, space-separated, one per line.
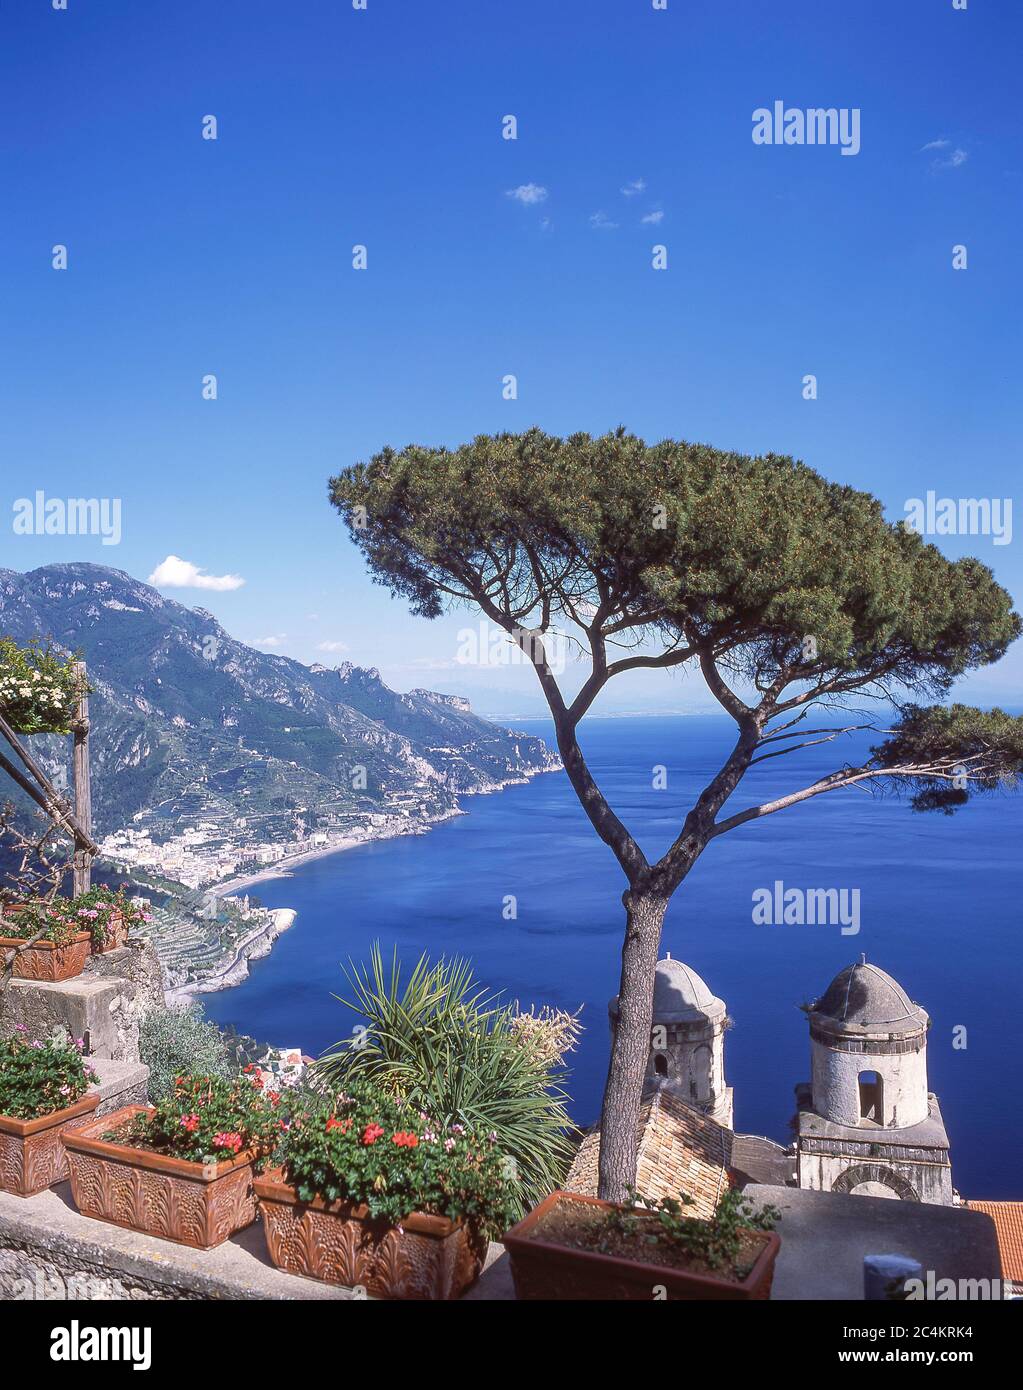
pixel 630 1047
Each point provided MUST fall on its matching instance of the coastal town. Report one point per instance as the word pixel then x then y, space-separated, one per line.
pixel 209 853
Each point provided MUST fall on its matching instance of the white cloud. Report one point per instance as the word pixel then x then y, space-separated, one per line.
pixel 954 160
pixel 636 186
pixel 601 220
pixel 175 573
pixel 332 647
pixel 653 217
pixel 528 193
pixel 270 641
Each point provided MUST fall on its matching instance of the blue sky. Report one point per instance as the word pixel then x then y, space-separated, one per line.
pixel 383 127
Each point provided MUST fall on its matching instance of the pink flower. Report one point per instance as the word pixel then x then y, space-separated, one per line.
pixel 449 1144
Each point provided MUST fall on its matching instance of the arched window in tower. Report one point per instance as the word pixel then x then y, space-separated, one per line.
pixel 660 1064
pixel 871 1097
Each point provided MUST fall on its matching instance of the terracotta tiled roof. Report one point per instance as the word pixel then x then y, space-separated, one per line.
pixel 1008 1219
pixel 680 1150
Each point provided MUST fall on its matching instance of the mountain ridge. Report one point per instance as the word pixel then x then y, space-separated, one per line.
pixel 191 724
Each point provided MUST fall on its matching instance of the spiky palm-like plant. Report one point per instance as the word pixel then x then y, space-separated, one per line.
pixel 444 1042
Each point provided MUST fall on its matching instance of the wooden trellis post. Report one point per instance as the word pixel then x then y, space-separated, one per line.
pixel 83 786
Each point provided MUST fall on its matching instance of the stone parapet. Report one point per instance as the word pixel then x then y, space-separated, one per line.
pixel 48 1250
pixel 825 1236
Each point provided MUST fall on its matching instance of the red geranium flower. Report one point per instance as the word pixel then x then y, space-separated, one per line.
pixel 190 1123
pixel 343 1125
pixel 404 1139
pixel 227 1141
pixel 372 1133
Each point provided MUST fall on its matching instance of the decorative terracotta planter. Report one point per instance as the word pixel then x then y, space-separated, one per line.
pixel 191 1203
pixel 32 1157
pixel 543 1270
pixel 45 961
pixel 116 935
pixel 430 1257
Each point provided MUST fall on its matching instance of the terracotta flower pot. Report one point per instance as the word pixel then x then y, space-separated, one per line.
pixel 542 1269
pixel 116 934
pixel 45 961
pixel 429 1257
pixel 195 1204
pixel 32 1158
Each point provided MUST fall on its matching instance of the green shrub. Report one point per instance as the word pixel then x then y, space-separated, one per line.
pixel 445 1046
pixel 174 1044
pixel 37 1078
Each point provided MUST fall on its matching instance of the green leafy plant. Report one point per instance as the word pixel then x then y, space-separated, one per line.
pixel 717 1243
pixel 63 918
pixel 38 687
pixel 207 1119
pixel 38 1078
pixel 444 1044
pixel 174 1044
pixel 366 1147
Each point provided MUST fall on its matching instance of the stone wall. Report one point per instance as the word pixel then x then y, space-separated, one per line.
pixel 48 1250
pixel 104 1005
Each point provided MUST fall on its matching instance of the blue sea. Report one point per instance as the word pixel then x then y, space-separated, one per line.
pixel 939 910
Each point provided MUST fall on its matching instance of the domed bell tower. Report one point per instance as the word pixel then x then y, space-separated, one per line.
pixel 687 1040
pixel 867 1122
